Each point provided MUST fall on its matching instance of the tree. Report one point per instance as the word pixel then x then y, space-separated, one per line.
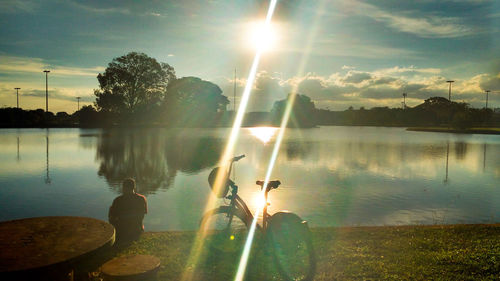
pixel 88 116
pixel 192 102
pixel 302 114
pixel 132 83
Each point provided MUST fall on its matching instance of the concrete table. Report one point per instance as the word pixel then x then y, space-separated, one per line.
pixel 50 247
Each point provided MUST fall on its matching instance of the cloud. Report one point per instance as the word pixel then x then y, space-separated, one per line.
pixel 357 77
pixel 409 70
pixel 348 67
pixel 323 47
pixel 60 94
pixel 36 65
pixel 101 7
pixel 123 7
pixel 12 6
pixel 382 87
pixel 60 99
pixel 490 82
pixel 429 26
pixel 267 89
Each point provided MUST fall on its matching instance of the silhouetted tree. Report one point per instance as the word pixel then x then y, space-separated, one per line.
pixel 192 102
pixel 302 114
pixel 88 116
pixel 133 82
pixel 109 102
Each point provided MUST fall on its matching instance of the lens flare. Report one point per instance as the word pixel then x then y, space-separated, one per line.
pixel 277 144
pixel 259 200
pixel 246 251
pixel 224 162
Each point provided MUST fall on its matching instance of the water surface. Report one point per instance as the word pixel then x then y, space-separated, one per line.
pixel 330 176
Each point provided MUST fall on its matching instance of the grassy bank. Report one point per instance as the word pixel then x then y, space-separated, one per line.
pixel 488 131
pixel 451 252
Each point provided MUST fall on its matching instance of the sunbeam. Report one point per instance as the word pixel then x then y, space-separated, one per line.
pixel 286 116
pixel 228 153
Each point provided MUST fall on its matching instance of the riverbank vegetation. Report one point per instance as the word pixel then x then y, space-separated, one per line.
pixel 137 90
pixel 484 130
pixel 441 252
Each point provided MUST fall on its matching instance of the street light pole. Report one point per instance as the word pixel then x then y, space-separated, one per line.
pixel 487 92
pixel 404 100
pixel 234 93
pixel 449 91
pixel 46 90
pixel 78 99
pixel 17 92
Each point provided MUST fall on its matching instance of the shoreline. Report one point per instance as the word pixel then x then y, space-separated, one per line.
pixel 484 131
pixel 409 252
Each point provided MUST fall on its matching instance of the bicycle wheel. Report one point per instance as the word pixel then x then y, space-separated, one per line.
pixel 224 232
pixel 292 247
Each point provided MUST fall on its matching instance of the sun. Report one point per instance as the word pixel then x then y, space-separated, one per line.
pixel 262 37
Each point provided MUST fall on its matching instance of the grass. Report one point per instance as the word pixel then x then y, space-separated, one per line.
pixel 448 252
pixel 479 130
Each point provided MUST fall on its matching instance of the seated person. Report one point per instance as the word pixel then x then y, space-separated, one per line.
pixel 127 212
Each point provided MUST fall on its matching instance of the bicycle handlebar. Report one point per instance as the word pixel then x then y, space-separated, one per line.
pixel 238 158
pixel 270 184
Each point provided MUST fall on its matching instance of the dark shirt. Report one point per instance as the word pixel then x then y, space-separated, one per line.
pixel 127 212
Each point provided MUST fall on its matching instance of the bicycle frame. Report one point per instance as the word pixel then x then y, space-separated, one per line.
pixel 272 228
pixel 237 202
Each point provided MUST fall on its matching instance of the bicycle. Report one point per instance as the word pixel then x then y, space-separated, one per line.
pixel 287 234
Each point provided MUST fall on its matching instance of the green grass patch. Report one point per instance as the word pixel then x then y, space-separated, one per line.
pixel 449 252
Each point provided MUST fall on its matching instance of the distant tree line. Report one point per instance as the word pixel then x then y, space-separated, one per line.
pixel 435 111
pixel 137 90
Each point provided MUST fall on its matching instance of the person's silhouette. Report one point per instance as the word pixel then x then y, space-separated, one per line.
pixel 127 212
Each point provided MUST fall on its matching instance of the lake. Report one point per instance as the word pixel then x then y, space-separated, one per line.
pixel 331 176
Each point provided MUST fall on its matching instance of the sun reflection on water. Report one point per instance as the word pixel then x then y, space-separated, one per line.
pixel 264 134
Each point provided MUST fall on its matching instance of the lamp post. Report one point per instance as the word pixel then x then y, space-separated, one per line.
pixel 46 90
pixel 487 92
pixel 234 93
pixel 17 93
pixel 449 90
pixel 78 99
pixel 404 100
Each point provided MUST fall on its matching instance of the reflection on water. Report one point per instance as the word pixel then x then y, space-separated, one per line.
pixel 484 157
pixel 47 176
pixel 297 150
pixel 264 134
pixel 18 158
pixel 153 158
pixel 330 175
pixel 447 157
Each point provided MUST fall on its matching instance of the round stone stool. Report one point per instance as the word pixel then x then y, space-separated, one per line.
pixel 131 268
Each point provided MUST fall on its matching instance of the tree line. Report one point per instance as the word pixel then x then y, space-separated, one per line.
pixel 137 90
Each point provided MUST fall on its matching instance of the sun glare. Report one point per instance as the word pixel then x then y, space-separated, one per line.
pixel 262 37
pixel 264 134
pixel 259 200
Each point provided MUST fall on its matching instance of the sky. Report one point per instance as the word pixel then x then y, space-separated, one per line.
pixel 356 52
